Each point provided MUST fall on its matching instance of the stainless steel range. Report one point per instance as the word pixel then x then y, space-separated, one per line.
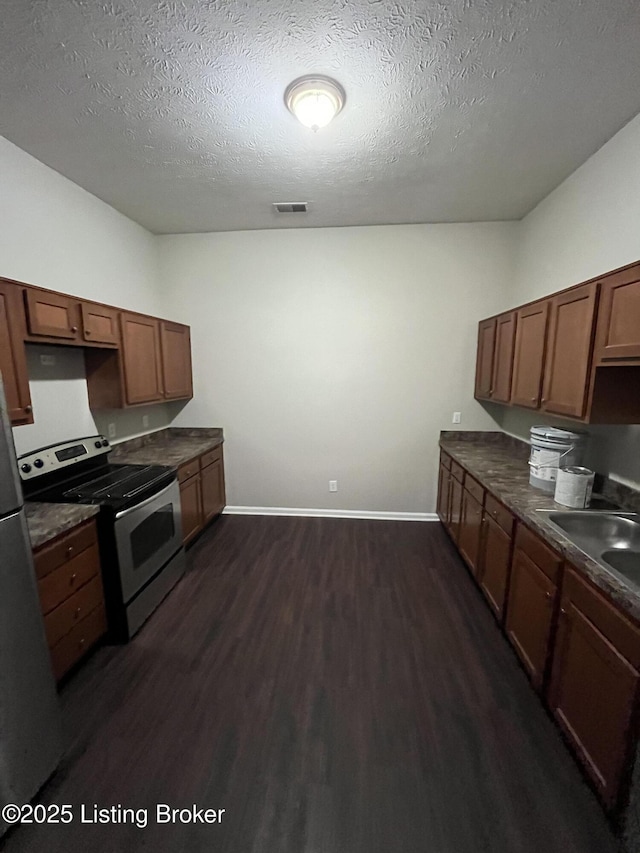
pixel 139 523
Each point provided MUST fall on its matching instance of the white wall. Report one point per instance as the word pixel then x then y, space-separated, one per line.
pixel 588 225
pixel 57 235
pixel 336 353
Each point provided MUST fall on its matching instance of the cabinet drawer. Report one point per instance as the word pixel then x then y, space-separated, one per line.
pixel 474 488
pixel 72 647
pixel 59 622
pixel 445 460
pixel 211 456
pixel 499 514
pixel 60 584
pixel 188 470
pixel 539 553
pixel 48 558
pixel 457 471
pixel 613 624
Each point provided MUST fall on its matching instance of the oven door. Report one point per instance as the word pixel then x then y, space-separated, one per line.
pixel 147 536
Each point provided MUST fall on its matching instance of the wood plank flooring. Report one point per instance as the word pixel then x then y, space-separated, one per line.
pixel 337 686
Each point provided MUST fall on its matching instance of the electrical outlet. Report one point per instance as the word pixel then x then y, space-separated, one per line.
pixel 333 485
pixel 145 420
pixel 47 360
pixel 111 430
pixel 456 418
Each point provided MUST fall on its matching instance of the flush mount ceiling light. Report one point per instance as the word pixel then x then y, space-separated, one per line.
pixel 314 100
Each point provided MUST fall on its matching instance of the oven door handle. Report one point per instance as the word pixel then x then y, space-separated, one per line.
pixel 125 512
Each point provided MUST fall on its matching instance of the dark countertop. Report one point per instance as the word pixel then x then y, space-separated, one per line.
pixel 499 463
pixel 172 447
pixel 46 521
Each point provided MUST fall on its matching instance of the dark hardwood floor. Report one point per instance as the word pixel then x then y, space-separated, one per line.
pixel 336 686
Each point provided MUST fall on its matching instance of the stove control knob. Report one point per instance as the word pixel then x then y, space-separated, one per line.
pixel 98 444
pixel 105 443
pixel 26 467
pixel 38 463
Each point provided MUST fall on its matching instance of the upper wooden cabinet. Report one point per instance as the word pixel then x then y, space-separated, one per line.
pixel 566 374
pixel 618 331
pixel 100 323
pixel 531 330
pixel 484 359
pixel 175 345
pixel 52 315
pixel 495 358
pixel 13 362
pixel 576 353
pixel 141 359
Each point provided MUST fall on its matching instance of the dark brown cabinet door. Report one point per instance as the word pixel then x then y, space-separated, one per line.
pixel 455 505
pixel 496 565
pixel 530 614
pixel 213 492
pixel 175 341
pixel 618 336
pixel 566 374
pixel 484 358
pixel 52 315
pixel 443 494
pixel 531 328
pixel 191 507
pixel 99 324
pixel 470 529
pixel 141 359
pixel 592 695
pixel 503 361
pixel 13 362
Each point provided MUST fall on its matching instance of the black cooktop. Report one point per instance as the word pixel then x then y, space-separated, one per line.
pixel 113 486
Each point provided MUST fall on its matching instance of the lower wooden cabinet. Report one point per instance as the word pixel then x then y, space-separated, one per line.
pixel 470 530
pixel 443 505
pixel 455 508
pixel 594 688
pixel 202 492
pixel 71 595
pixel 495 565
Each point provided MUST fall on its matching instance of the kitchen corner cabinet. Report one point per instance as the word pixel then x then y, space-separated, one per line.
pixel 529 350
pixel 494 364
pixel 594 688
pixel 13 360
pixel 202 492
pixel 175 347
pixel 532 594
pixel 484 359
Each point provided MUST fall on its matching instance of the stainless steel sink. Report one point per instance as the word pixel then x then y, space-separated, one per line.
pixel 610 538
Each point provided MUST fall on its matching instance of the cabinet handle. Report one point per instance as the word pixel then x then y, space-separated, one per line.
pixel 533 399
pixel 543 400
pixel 70 550
pixel 563 611
pixel 81 643
pixel 87 331
pixel 28 409
pixel 74 328
pixel 72 579
pixel 548 594
pixel 77 613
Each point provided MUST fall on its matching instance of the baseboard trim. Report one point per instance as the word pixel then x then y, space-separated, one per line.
pixel 331 513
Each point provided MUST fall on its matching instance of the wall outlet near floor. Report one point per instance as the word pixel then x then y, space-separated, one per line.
pixel 333 485
pixel 145 420
pixel 47 360
pixel 456 418
pixel 111 430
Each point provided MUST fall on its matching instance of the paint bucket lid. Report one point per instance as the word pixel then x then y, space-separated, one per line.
pixel 549 433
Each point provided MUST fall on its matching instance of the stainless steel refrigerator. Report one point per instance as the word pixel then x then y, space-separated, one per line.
pixel 30 722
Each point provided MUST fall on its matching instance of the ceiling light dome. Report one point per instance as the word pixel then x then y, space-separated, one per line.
pixel 314 100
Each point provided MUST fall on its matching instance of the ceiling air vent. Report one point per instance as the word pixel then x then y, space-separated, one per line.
pixel 290 206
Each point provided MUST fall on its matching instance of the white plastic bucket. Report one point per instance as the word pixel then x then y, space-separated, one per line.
pixel 552 448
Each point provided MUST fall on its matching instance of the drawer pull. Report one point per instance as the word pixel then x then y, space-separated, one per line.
pixel 81 643
pixel 72 579
pixel 74 329
pixel 548 594
pixel 70 550
pixel 77 613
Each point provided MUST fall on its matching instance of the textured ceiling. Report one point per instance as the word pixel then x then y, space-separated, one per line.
pixel 172 111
